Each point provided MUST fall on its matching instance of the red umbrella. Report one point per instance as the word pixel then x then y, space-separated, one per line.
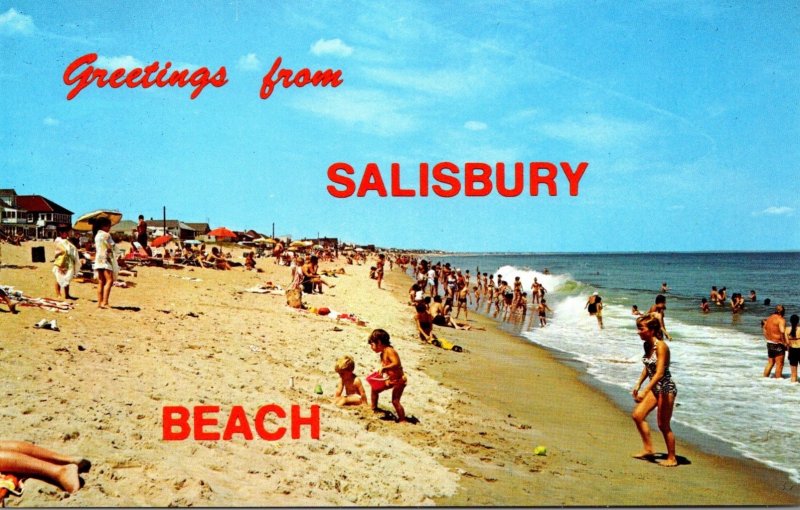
pixel 161 240
pixel 221 232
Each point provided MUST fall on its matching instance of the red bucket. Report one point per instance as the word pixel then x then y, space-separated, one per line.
pixel 377 381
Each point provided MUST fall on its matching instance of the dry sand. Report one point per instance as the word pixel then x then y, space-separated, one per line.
pixel 97 389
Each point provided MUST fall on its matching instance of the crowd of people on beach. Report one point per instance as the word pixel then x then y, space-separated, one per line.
pixel 439 295
pixel 459 292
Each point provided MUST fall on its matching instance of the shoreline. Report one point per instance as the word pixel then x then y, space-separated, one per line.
pixel 516 360
pixel 195 337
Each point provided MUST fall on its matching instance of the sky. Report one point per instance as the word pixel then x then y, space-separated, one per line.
pixel 687 114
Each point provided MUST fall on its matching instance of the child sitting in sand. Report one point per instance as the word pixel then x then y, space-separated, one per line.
pixel 424 321
pixel 349 384
pixel 249 261
pixel 391 369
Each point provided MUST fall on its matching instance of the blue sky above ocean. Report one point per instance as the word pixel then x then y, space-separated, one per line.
pixel 686 112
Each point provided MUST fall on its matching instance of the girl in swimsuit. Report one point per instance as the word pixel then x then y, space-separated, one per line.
pixel 660 391
pixel 391 368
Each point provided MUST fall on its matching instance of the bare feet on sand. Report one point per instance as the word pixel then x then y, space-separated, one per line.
pixel 68 478
pixel 644 455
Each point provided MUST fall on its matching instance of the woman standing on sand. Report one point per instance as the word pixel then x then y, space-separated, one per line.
pixel 660 391
pixel 105 261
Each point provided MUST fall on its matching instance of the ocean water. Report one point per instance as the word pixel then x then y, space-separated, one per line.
pixel 717 358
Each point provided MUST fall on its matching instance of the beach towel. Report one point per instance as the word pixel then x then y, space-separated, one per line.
pixel 266 288
pixel 45 303
pixel 51 305
pixel 187 278
pixel 336 316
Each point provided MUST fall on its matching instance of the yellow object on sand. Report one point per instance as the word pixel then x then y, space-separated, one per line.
pixel 446 344
pixel 540 450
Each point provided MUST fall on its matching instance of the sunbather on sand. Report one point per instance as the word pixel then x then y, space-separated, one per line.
pixel 26 459
pixel 206 259
pixel 311 279
pixel 218 260
pixel 250 261
pixel 12 307
pixel 441 319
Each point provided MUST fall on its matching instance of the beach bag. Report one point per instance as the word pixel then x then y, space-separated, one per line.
pixel 62 260
pixel 294 298
pixel 446 345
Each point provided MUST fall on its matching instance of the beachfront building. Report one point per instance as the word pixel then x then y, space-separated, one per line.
pixel 31 215
pixel 176 228
pixel 124 230
pixel 201 230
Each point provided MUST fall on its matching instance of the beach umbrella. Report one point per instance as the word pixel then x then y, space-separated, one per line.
pixel 221 232
pixel 161 240
pixel 301 244
pixel 192 241
pixel 86 221
pixel 264 240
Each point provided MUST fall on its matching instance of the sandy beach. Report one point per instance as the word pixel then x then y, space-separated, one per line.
pixel 194 337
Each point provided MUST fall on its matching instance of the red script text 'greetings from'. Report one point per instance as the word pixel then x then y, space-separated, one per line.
pixel 80 73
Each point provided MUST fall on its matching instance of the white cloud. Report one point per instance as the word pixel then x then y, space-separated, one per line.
pixel 474 125
pixel 441 82
pixel 249 62
pixel 50 121
pixel 12 22
pixel 596 131
pixel 370 111
pixel 124 62
pixel 129 62
pixel 183 65
pixel 774 211
pixel 331 47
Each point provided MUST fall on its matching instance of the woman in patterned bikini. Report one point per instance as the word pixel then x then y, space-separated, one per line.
pixel 660 391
